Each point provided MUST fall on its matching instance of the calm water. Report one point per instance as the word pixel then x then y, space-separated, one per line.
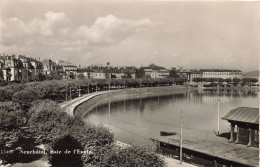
pixel 135 121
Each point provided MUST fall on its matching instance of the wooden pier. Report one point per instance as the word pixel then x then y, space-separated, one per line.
pixel 207 154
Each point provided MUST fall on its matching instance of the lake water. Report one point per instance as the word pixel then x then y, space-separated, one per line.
pixel 135 121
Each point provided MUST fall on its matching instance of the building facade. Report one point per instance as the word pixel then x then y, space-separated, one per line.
pixel 156 72
pixel 214 73
pixel 219 73
pixel 18 68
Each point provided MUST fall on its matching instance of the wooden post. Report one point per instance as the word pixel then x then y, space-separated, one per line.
pixel 249 138
pixel 237 140
pixel 232 126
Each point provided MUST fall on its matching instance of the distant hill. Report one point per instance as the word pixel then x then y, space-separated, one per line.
pixel 251 74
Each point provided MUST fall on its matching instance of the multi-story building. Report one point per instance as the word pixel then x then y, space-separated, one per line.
pixel 92 74
pixel 221 73
pixel 156 72
pixel 33 68
pixel 67 69
pixel 70 71
pixel 13 69
pixel 102 72
pixel 195 74
pixel 215 73
pixel 17 68
pixel 48 66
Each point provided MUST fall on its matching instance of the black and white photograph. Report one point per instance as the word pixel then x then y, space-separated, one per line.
pixel 129 83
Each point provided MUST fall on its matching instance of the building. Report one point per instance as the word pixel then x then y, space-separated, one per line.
pixel 70 71
pixel 13 69
pixel 91 73
pixel 48 66
pixel 213 73
pixel 195 74
pixel 221 73
pixel 18 68
pixel 33 68
pixel 154 71
pixel 66 69
pixel 246 122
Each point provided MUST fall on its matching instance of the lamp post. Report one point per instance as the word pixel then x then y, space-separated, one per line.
pixel 79 92
pixel 218 117
pixel 70 93
pixel 181 141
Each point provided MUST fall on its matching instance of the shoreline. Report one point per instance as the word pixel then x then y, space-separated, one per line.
pixel 85 107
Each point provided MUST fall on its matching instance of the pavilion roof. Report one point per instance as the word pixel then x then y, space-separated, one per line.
pixel 243 114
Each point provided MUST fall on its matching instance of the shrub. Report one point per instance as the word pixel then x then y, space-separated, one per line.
pixel 132 156
pixel 66 144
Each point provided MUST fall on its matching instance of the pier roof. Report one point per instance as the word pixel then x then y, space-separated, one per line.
pixel 243 114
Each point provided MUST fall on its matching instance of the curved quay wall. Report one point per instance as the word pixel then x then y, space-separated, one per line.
pixel 82 105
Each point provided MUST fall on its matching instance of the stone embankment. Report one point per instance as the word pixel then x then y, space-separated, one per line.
pixel 81 105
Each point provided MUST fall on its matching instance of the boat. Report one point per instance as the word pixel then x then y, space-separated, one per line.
pixel 164 133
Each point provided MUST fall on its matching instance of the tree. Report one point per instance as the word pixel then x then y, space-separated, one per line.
pixel 236 80
pixel 180 80
pixel 1 75
pixel 173 74
pixel 221 80
pixel 228 80
pixel 81 76
pixel 198 79
pixel 128 75
pixel 25 97
pixel 14 135
pixel 54 75
pixel 133 156
pixel 66 144
pixel 140 73
pixel 249 80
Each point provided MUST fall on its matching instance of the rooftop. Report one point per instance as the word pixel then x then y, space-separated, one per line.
pixel 243 114
pixel 219 70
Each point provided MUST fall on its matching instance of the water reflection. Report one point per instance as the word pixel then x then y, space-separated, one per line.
pixel 139 119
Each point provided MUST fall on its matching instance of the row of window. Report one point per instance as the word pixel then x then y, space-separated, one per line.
pixel 222 73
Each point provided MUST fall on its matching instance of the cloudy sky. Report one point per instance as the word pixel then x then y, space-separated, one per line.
pixel 187 34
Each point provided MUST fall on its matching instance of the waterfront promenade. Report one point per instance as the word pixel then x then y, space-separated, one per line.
pixel 72 104
pixel 200 141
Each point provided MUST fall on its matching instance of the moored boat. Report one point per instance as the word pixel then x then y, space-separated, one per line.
pixel 164 133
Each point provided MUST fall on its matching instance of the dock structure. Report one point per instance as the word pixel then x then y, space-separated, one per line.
pixel 208 153
pixel 246 121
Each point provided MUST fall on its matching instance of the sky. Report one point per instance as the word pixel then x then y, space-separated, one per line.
pixel 134 33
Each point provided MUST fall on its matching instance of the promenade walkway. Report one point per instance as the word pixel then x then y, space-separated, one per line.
pixel 70 105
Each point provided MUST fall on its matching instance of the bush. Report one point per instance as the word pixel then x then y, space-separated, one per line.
pixel 48 122
pixel 67 144
pixel 132 156
pixel 25 97
pixel 14 135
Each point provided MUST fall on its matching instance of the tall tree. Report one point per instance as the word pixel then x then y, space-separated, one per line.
pixel 140 73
